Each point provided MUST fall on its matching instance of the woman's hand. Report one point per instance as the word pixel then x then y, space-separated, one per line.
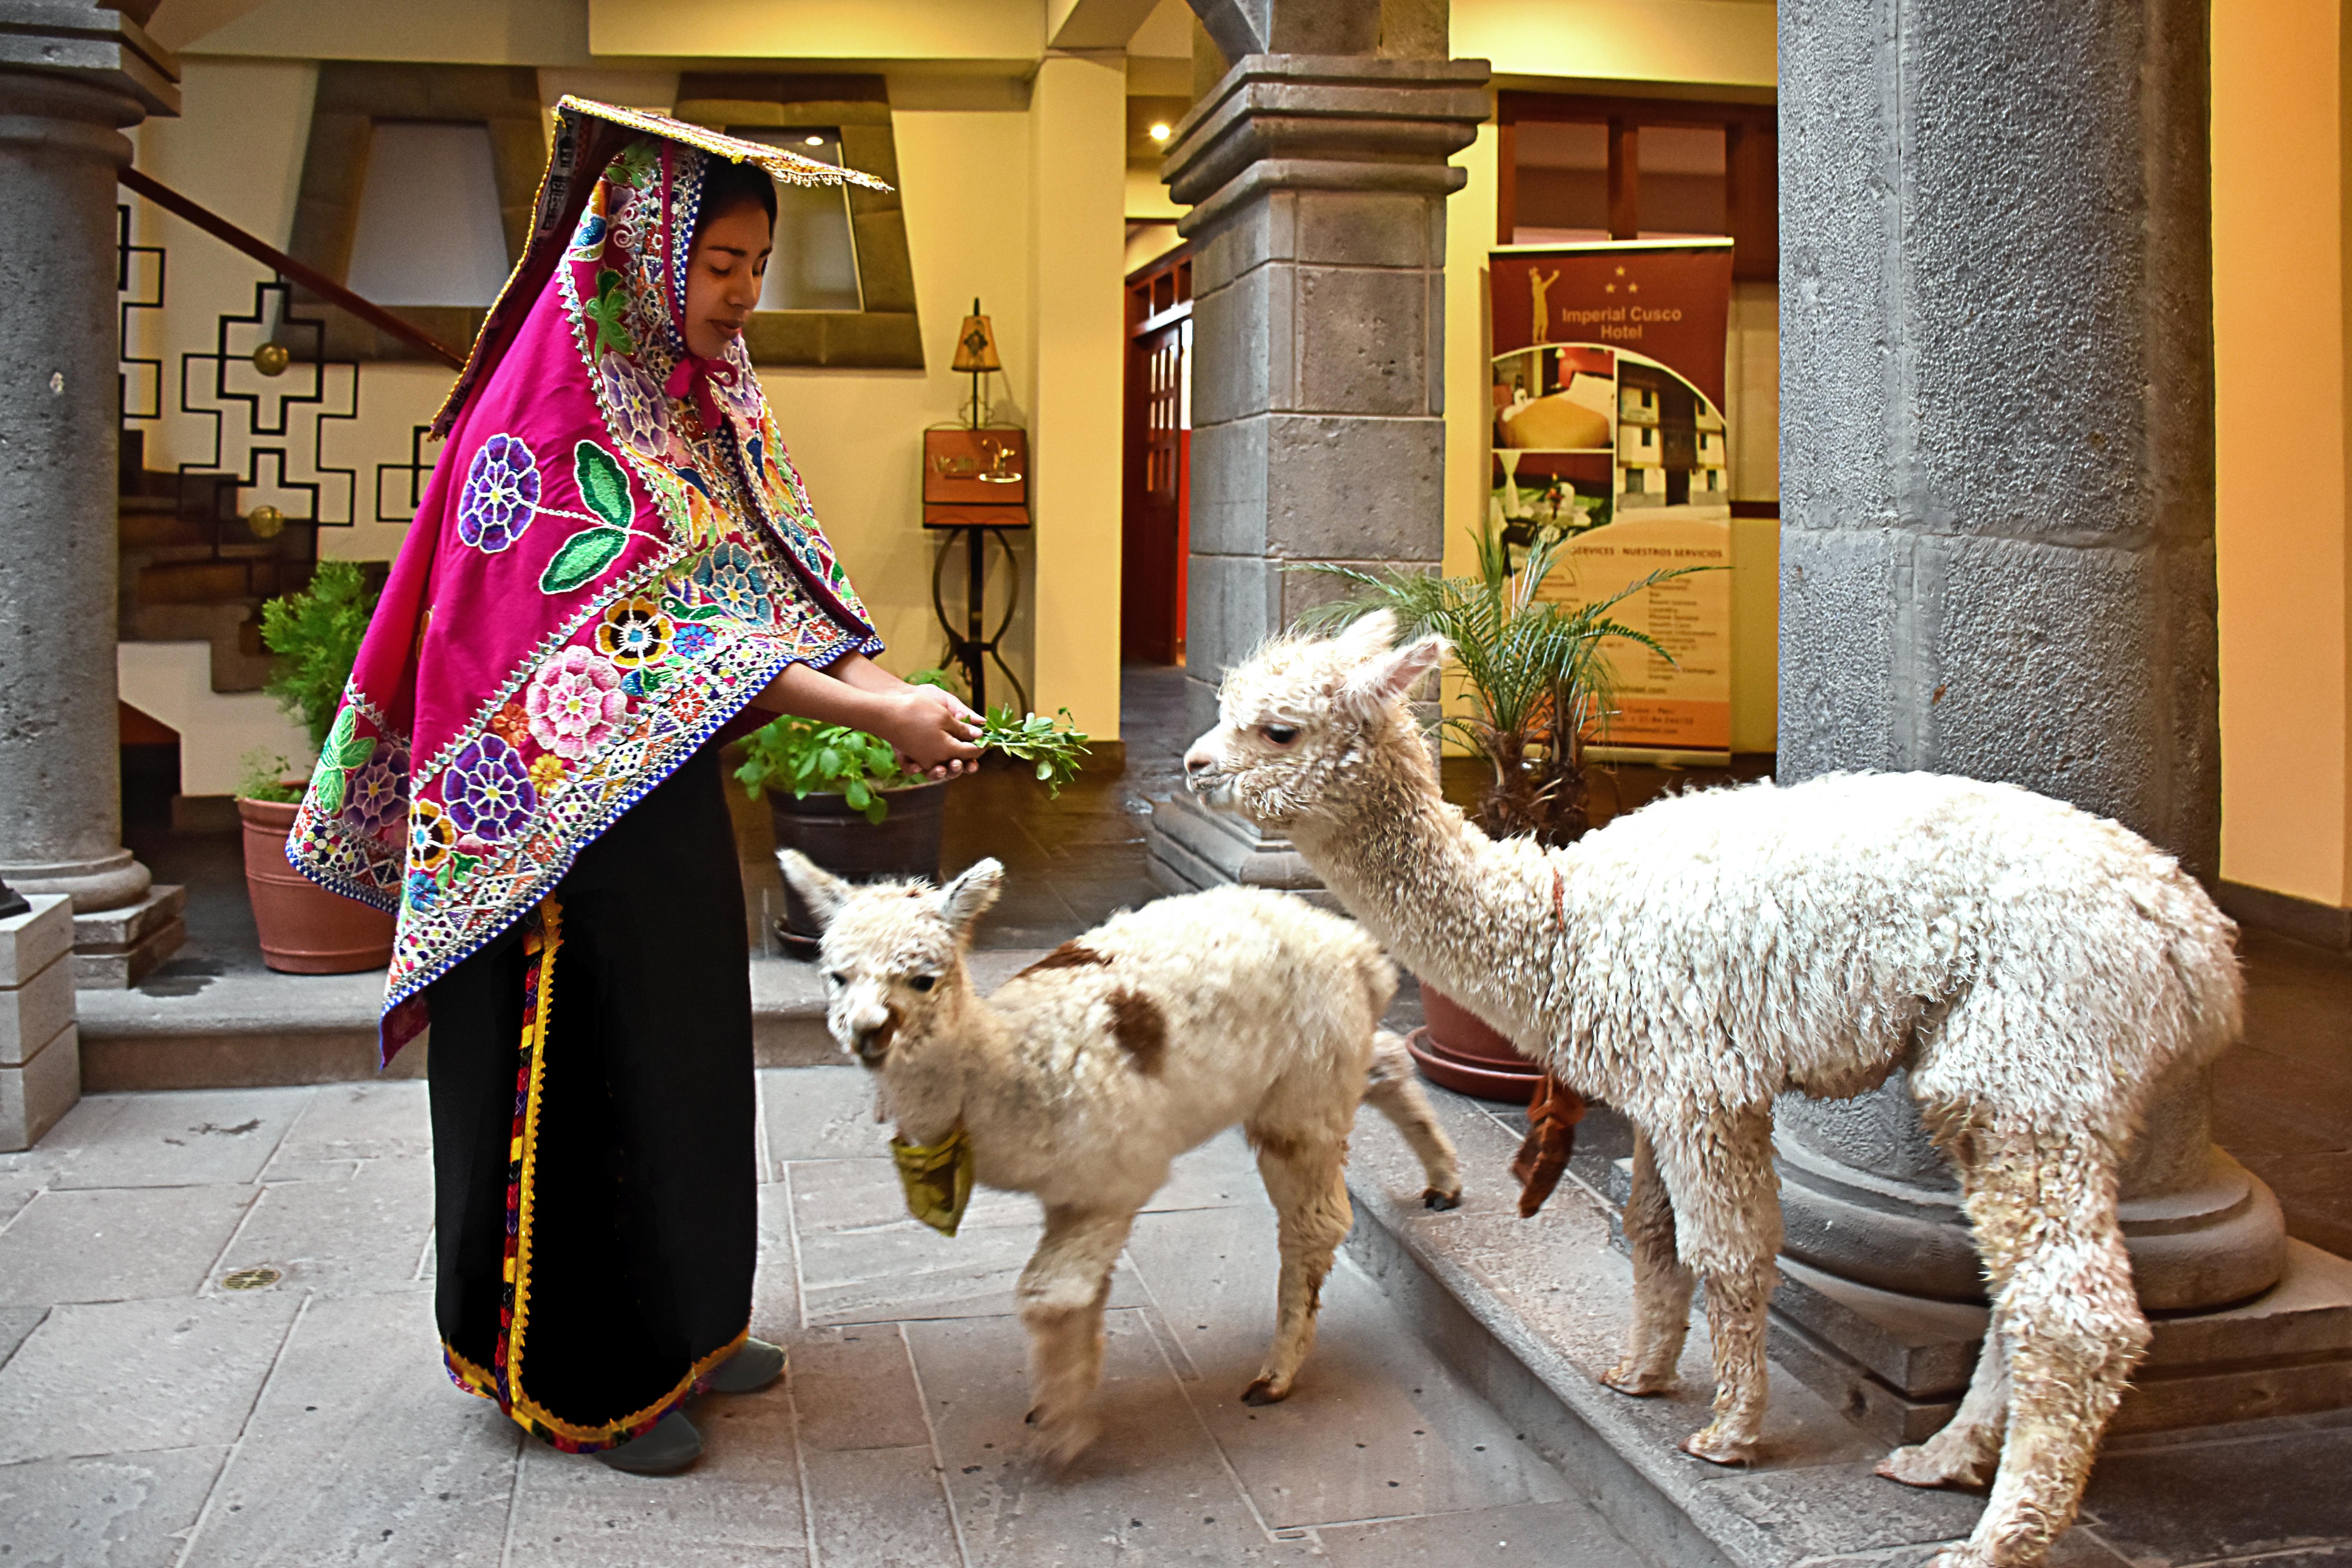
pixel 931 730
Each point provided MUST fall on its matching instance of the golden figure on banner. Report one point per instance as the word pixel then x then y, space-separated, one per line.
pixel 1539 285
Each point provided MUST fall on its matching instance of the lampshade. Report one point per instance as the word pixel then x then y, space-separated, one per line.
pixel 976 343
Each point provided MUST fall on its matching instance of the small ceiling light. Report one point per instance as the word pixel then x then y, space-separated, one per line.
pixel 816 141
pixel 1160 132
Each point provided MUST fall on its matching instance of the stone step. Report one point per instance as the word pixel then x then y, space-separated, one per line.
pixel 258 1028
pixel 1530 1312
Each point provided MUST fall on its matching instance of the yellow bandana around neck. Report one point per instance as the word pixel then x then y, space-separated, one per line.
pixel 937 1178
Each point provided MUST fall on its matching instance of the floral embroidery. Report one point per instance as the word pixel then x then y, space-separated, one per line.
pixel 739 393
pixel 421 893
pixel 502 494
pixel 546 772
pixel 510 723
pixel 378 794
pixel 693 639
pixel 731 577
pixel 635 632
pixel 574 703
pixel 639 413
pixel 486 791
pixel 430 836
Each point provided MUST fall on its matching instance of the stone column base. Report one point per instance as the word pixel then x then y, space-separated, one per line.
pixel 1193 847
pixel 1896 1365
pixel 115 949
pixel 40 1056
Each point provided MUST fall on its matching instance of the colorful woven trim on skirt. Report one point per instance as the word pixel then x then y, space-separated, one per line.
pixel 501 1382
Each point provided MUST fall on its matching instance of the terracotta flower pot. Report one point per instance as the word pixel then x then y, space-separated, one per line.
pixel 305 928
pixel 905 843
pixel 1461 1051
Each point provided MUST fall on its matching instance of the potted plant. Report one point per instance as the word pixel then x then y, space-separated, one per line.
pixel 1536 684
pixel 839 796
pixel 306 929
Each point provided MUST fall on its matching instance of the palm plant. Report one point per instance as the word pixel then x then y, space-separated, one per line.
pixel 1537 678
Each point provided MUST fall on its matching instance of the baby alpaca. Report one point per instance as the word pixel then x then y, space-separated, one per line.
pixel 2037 969
pixel 1084 1076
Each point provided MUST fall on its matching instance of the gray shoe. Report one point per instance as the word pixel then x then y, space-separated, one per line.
pixel 669 1448
pixel 749 1370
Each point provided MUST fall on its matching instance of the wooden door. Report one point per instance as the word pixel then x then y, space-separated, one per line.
pixel 1155 535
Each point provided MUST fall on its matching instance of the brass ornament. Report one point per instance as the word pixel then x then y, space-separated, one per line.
pixel 259 1278
pixel 271 359
pixel 266 521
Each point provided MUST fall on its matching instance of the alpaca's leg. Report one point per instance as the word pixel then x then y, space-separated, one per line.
pixel 1061 1296
pixel 1661 1283
pixel 1395 1092
pixel 1718 1167
pixel 1306 1178
pixel 2044 1213
pixel 1963 1453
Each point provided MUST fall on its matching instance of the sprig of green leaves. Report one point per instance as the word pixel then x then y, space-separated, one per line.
pixel 1055 750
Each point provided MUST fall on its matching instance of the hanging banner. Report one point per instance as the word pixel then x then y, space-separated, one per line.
pixel 1608 399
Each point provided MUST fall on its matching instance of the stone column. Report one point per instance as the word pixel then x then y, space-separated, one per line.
pixel 71 75
pixel 1317 183
pixel 1997 559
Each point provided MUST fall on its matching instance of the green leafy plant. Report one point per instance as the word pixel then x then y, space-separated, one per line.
pixel 315 636
pixel 1056 752
pixel 1535 673
pixel 808 758
pixel 266 776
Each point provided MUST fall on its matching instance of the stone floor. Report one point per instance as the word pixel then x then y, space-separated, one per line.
pixel 148 1414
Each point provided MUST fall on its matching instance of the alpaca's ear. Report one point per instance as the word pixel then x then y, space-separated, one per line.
pixel 1376 683
pixel 967 898
pixel 823 893
pixel 1369 637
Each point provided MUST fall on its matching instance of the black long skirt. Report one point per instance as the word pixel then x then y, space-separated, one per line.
pixel 594 1148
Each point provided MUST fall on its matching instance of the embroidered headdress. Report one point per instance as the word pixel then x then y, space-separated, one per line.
pixel 614 555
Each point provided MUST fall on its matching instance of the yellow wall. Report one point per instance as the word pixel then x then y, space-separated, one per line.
pixel 2279 319
pixel 1723 43
pixel 1077 135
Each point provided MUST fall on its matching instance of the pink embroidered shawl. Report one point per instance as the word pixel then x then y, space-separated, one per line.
pixel 587 593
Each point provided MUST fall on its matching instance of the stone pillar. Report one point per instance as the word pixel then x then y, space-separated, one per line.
pixel 71 75
pixel 1997 559
pixel 1317 183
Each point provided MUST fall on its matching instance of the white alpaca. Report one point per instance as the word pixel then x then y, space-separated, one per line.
pixel 1084 1076
pixel 2036 968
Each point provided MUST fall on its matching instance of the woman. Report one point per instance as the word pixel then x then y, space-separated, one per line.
pixel 613 561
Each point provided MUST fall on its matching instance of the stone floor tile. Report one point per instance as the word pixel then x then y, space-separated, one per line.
pixel 116 1244
pixel 743 1495
pixel 2195 1502
pixel 775 1286
pixel 1376 1425
pixel 864 1259
pixel 361 1451
pixel 186 1139
pixel 363 1234
pixel 15 1323
pixel 123 1510
pixel 879 1508
pixel 358 1121
pixel 584 1546
pixel 1152 1484
pixel 855 1388
pixel 820 1114
pixel 132 1376
pixel 1555 1534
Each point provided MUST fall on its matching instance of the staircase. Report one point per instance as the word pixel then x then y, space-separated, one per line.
pixel 191 569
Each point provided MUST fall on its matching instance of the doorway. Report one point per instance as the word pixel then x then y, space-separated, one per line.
pixel 1155 529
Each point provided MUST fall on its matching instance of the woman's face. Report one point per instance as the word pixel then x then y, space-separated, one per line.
pixel 723 277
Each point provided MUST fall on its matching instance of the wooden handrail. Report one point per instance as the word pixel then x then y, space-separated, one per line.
pixel 310 278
